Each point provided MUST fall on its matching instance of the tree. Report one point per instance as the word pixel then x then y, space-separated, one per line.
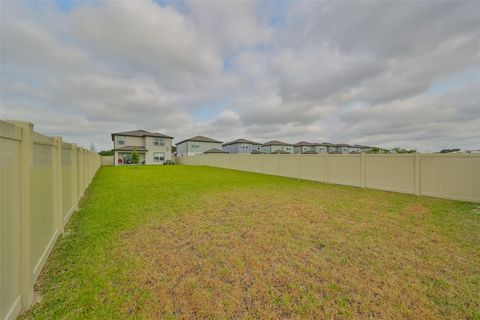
pixel 92 147
pixel 403 150
pixel 378 150
pixel 135 156
pixel 449 150
pixel 106 153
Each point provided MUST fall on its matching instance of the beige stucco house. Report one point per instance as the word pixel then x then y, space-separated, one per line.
pixel 152 147
pixel 197 145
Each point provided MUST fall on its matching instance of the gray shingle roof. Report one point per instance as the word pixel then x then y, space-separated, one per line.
pixel 241 141
pixel 276 143
pixel 304 143
pixel 215 150
pixel 200 139
pixel 140 133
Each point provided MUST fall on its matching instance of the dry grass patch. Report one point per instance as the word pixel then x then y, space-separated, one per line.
pixel 278 253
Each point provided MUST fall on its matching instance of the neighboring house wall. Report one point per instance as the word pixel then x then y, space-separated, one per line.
pixel 308 148
pixel 288 149
pixel 242 148
pixel 182 149
pixel 164 150
pixel 345 149
pixel 231 148
pixel 129 141
pixel 321 149
pixel 191 148
pixel 273 148
pixel 302 149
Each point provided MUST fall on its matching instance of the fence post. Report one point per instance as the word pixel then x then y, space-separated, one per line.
pixel 364 169
pixel 26 158
pixel 326 168
pixel 85 170
pixel 80 172
pixel 74 177
pixel 57 186
pixel 417 173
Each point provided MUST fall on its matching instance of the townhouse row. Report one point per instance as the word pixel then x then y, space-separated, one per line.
pixel 156 148
pixel 204 145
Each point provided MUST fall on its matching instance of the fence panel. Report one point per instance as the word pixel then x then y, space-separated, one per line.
pixel 345 169
pixel 10 233
pixel 68 204
pixel 254 163
pixel 289 166
pixel 39 191
pixel 107 160
pixel 270 164
pixel 44 232
pixel 312 167
pixel 453 176
pixel 395 172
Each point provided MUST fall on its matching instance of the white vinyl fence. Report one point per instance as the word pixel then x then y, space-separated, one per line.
pixel 451 176
pixel 42 181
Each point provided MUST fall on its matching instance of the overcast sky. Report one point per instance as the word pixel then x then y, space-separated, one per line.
pixel 378 73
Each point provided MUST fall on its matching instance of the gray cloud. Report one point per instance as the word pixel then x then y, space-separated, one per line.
pixel 350 72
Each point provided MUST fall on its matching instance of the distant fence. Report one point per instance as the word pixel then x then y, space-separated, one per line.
pixel 107 160
pixel 450 176
pixel 42 181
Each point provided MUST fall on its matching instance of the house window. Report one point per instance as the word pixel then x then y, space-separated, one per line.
pixel 121 140
pixel 158 156
pixel 158 141
pixel 245 146
pixel 195 145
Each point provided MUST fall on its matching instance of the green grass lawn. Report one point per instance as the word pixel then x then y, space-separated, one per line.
pixel 185 242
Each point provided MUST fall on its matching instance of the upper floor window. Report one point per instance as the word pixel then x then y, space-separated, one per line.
pixel 121 139
pixel 158 141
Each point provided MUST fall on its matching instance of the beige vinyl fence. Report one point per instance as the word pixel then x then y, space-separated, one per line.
pixel 42 181
pixel 107 160
pixel 451 176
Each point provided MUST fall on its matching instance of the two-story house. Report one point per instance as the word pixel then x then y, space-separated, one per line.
pixel 305 147
pixel 339 148
pixel 274 145
pixel 152 147
pixel 359 148
pixel 322 147
pixel 197 145
pixel 242 146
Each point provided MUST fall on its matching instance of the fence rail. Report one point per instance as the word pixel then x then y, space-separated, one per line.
pixel 42 180
pixel 450 176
